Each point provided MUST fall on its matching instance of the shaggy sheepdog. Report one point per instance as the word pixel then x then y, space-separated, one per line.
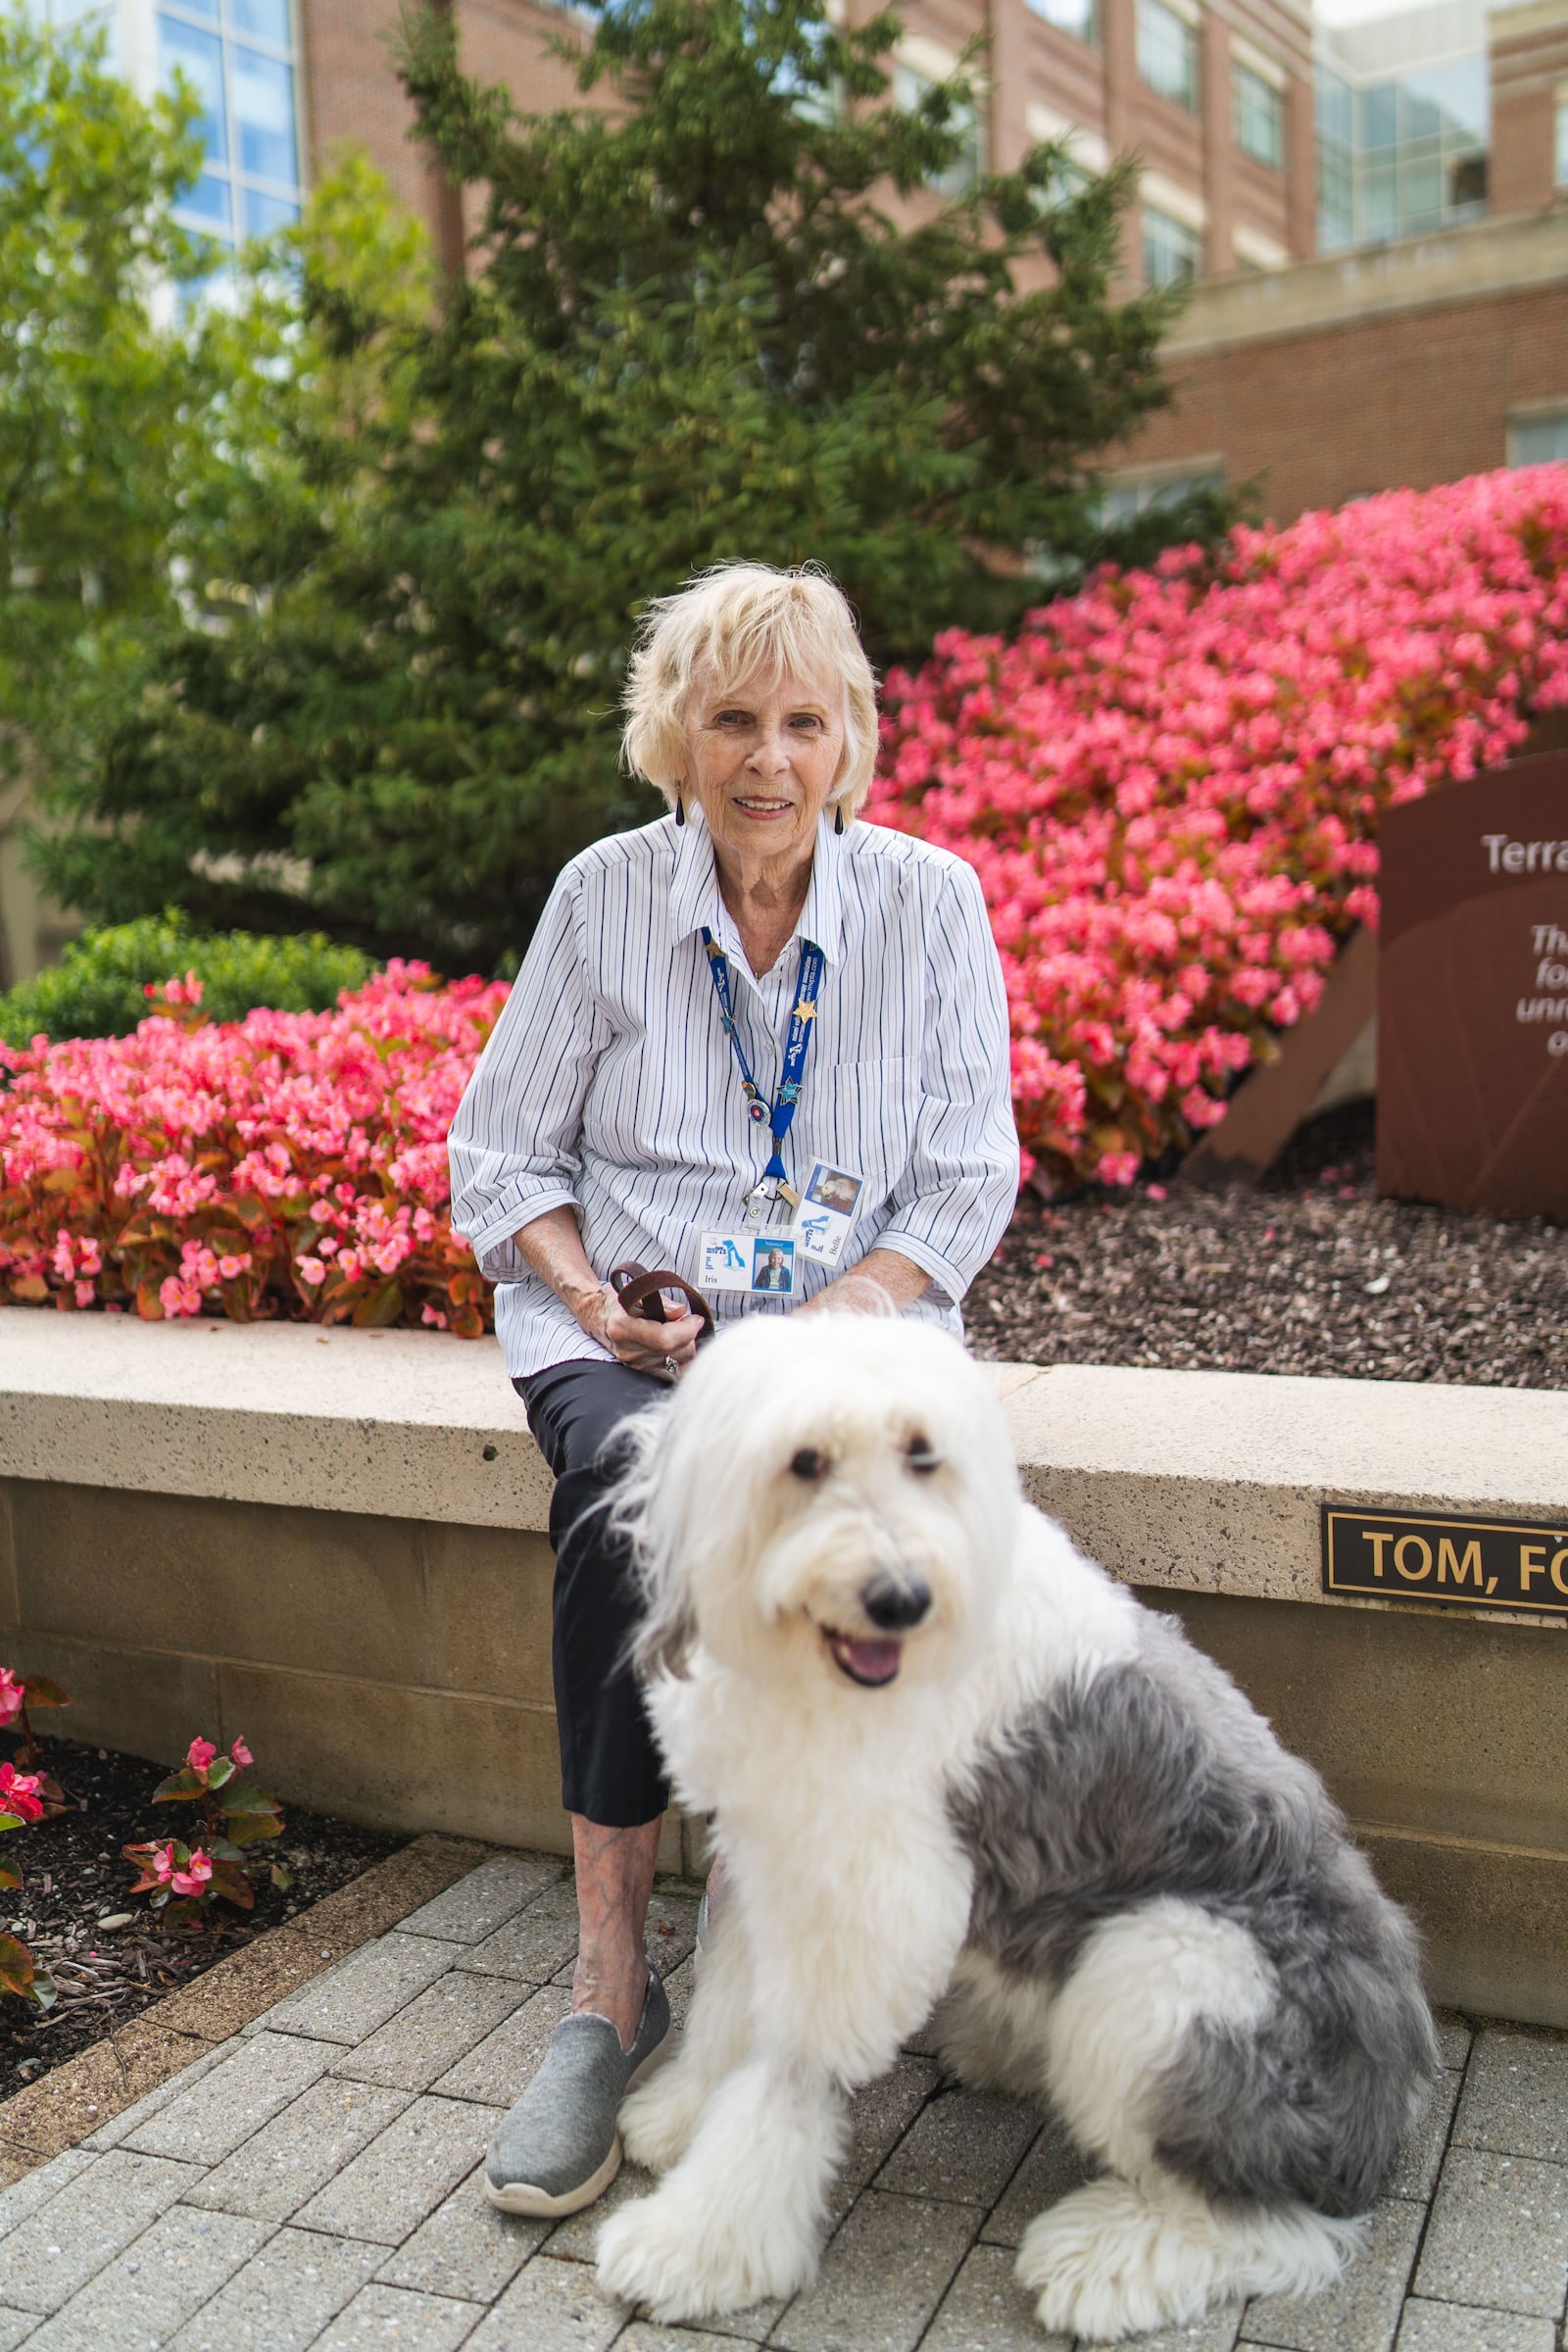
pixel 953 1767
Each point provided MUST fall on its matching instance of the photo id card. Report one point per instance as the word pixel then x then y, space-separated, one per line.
pixel 773 1265
pixel 825 1217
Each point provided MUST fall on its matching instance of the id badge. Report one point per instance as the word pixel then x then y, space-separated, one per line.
pixel 726 1261
pixel 825 1217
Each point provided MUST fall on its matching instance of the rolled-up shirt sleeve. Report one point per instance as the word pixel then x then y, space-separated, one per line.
pixel 951 1204
pixel 513 1146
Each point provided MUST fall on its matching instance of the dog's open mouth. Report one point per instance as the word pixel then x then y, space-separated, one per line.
pixel 866 1662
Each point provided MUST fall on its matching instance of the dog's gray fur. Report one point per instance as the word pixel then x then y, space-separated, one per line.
pixel 1157 1778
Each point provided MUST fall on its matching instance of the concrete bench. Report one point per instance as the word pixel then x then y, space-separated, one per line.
pixel 334 1542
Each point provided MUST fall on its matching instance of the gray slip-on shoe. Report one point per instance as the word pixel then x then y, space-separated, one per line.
pixel 557 2148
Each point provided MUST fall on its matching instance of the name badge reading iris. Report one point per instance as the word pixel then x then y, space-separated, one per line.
pixel 726 1261
pixel 762 1263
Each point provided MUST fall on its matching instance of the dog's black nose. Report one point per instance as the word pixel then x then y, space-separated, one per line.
pixel 896 1607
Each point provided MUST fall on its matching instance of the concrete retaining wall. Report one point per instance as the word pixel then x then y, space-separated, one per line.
pixel 333 1542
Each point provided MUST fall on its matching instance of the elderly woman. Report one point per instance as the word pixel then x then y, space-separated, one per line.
pixel 763 1047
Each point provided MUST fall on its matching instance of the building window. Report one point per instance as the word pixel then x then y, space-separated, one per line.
pixel 1124 500
pixel 1402 155
pixel 238 57
pixel 1539 440
pixel 1172 252
pixel 1259 111
pixel 1167 53
pixel 1077 17
pixel 1561 174
pixel 909 88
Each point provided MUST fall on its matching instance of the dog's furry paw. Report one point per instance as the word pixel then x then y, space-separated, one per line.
pixel 658 2120
pixel 1107 2263
pixel 662 2257
pixel 1111 2261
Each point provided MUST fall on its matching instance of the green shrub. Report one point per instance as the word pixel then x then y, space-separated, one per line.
pixel 100 990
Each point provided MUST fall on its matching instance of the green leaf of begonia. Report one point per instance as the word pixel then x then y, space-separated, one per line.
pixel 248 1798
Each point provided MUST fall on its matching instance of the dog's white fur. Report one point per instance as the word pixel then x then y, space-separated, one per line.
pixel 848 1886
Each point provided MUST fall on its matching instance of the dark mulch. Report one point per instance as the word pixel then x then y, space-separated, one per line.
pixel 75 1881
pixel 1311 1273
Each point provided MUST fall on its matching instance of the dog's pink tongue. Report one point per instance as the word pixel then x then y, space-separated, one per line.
pixel 874 1661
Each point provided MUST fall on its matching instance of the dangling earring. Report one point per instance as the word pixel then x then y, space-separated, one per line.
pixel 838 819
pixel 681 809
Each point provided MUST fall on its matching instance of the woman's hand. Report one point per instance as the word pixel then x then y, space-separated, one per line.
pixel 553 1247
pixel 644 1347
pixel 883 1282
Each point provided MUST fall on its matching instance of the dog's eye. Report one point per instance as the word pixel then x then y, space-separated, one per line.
pixel 809 1463
pixel 922 1454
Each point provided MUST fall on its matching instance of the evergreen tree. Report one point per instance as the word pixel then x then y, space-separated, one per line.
pixel 721 317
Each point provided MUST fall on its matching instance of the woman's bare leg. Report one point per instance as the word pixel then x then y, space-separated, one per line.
pixel 614 1881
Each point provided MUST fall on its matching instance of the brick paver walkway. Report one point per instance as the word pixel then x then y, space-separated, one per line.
pixel 314 2181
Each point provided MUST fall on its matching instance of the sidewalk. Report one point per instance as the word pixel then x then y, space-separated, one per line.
pixel 314 2181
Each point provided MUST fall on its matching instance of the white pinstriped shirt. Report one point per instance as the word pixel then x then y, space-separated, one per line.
pixel 609 1084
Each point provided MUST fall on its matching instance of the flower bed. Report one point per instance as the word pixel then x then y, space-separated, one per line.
pixel 1170 784
pixel 287 1164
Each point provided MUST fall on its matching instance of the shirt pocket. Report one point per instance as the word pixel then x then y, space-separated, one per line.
pixel 867 1124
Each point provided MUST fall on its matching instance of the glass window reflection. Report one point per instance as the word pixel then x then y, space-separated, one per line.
pixel 1076 17
pixel 1538 442
pixel 199 56
pixel 263 114
pixel 266 19
pixel 209 200
pixel 1403 154
pixel 1380 115
pixel 266 213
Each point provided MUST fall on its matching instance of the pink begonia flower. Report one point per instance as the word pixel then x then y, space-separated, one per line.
pixel 232 1267
pixel 163 1862
pixel 194 1876
pixel 1169 783
pixel 241 1754
pixel 200 1754
pixel 434 1317
pixel 19 1792
pixel 311 1270
pixel 1168 786
pixel 13 1696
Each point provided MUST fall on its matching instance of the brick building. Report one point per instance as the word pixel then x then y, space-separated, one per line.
pixel 1429 338
pixel 1368 310
pixel 1217 98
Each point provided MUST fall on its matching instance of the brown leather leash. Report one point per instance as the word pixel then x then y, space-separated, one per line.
pixel 639 1293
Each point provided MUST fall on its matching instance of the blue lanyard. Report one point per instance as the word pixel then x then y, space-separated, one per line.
pixel 802 1014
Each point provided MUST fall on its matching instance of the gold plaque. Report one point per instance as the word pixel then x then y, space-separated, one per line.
pixel 1466 1563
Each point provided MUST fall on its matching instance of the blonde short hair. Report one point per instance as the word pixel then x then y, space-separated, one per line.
pixel 736 624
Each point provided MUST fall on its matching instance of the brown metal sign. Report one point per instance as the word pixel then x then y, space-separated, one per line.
pixel 1468 1563
pixel 1473 993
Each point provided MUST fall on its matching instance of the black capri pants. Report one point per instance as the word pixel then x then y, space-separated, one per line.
pixel 609 1766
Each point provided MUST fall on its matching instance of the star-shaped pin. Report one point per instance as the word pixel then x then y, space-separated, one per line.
pixel 805 1011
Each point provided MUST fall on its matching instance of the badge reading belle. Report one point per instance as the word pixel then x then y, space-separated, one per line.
pixel 825 1217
